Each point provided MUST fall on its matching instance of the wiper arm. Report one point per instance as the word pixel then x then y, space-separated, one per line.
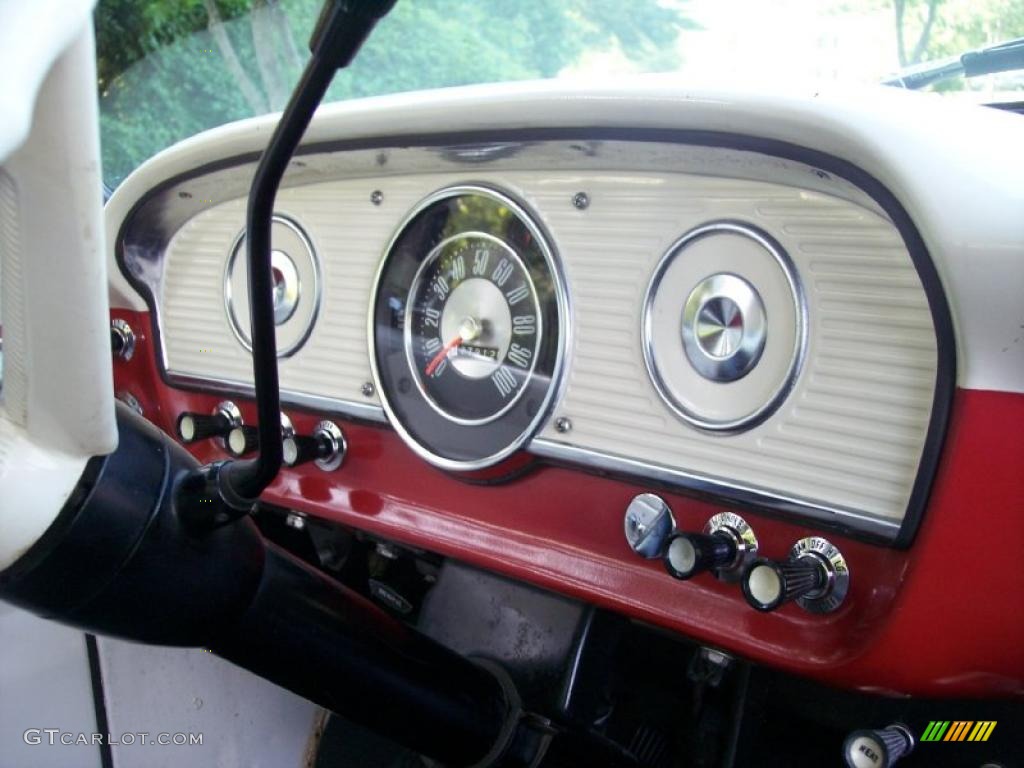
pixel 1004 57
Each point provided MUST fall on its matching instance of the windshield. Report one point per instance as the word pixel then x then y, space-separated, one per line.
pixel 169 69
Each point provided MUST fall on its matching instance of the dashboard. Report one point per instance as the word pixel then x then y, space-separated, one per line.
pixel 522 321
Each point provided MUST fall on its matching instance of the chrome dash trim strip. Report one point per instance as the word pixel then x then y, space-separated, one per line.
pixel 719 488
pixel 327 405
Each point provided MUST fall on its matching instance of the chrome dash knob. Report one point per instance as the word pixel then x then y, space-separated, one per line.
pixel 648 525
pixel 879 748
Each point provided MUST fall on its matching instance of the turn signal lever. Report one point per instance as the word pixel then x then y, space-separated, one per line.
pixel 233 487
pixel 103 564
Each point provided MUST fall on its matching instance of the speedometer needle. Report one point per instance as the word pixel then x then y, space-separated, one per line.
pixel 468 331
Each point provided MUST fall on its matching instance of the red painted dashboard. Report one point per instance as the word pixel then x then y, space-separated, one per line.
pixel 942 618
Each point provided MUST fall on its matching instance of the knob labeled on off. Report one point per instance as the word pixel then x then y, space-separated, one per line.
pixel 815 576
pixel 877 748
pixel 688 554
pixel 768 584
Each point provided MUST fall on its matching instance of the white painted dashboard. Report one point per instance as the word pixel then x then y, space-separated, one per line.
pixel 847 443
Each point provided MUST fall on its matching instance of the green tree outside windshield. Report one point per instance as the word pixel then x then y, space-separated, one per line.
pixel 169 69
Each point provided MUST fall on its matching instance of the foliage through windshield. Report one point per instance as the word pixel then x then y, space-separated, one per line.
pixel 169 69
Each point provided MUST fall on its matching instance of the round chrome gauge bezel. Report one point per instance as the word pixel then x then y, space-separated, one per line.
pixel 563 330
pixel 789 271
pixel 284 312
pixel 407 332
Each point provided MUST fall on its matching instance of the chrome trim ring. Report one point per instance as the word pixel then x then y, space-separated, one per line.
pixel 339 445
pixel 122 329
pixel 724 328
pixel 558 380
pixel 287 287
pixel 742 535
pixel 717 487
pixel 785 263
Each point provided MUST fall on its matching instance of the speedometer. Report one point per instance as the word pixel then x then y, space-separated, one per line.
pixel 468 328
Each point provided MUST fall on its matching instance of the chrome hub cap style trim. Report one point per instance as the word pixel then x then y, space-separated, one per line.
pixel 648 524
pixel 724 327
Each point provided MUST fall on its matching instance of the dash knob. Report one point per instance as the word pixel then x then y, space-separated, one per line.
pixel 879 748
pixel 326 446
pixel 193 427
pixel 299 449
pixel 727 544
pixel 688 554
pixel 815 576
pixel 769 584
pixel 197 426
pixel 243 439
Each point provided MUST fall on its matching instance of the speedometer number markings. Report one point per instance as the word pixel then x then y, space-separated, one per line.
pixel 467 376
pixel 505 381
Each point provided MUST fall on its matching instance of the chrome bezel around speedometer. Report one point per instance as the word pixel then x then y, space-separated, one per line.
pixel 444 433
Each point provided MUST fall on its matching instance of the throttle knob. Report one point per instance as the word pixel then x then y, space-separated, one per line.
pixel 688 554
pixel 877 748
pixel 243 439
pixel 815 576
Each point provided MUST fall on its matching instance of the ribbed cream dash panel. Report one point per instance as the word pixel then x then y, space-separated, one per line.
pixel 851 433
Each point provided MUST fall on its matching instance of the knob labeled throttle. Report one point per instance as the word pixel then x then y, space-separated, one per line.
pixel 688 554
pixel 877 748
